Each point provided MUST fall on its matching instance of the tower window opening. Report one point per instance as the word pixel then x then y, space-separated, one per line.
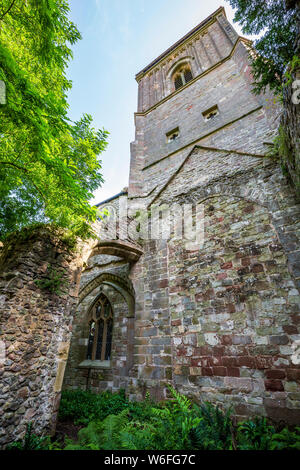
pixel 182 76
pixel 100 332
pixel 173 135
pixel 210 113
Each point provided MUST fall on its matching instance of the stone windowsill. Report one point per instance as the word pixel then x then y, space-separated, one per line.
pixel 95 364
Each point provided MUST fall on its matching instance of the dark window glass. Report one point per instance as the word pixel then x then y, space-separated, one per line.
pixel 101 329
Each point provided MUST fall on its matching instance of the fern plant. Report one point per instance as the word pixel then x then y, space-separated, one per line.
pixel 103 435
pixel 255 434
pixel 215 429
pixel 286 439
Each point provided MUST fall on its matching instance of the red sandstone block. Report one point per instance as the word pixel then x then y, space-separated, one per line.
pixel 229 361
pixel 248 209
pixel 163 283
pixel 208 295
pixel 275 374
pixel 264 362
pixel 257 268
pixel 226 265
pixel 245 261
pixel 198 297
pixel 181 351
pixel 215 361
pixel 233 372
pixel 196 362
pixel 218 350
pixel 246 361
pixel 205 361
pixel 295 319
pixel 205 350
pixel 219 371
pixel 274 385
pixel 230 308
pixel 290 329
pixel 293 374
pixel 207 371
pixel 226 340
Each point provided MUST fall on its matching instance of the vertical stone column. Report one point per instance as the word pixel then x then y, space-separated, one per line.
pixel 39 276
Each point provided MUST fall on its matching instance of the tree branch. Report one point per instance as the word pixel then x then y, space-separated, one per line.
pixel 7 11
pixel 14 165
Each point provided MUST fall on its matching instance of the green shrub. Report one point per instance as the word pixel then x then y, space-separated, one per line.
pixel 166 427
pixel 114 423
pixel 255 434
pixel 286 440
pixel 214 431
pixel 82 407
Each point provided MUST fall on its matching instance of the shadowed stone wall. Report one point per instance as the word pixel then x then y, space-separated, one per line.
pixel 35 330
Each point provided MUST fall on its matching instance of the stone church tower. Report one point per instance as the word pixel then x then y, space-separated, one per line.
pixel 218 322
pixel 216 318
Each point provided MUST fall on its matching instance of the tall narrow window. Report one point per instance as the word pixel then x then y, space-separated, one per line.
pixel 100 334
pixel 182 76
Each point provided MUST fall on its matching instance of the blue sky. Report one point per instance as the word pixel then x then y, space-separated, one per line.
pixel 120 37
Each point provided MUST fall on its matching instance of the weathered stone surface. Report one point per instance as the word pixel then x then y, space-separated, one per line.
pixel 219 322
pixel 36 330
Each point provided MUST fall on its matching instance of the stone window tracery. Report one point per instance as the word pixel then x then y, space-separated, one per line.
pixel 100 332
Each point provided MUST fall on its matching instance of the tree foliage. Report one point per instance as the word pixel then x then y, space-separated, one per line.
pixel 49 165
pixel 277 26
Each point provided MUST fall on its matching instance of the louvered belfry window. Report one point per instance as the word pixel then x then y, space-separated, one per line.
pixel 188 75
pixel 182 76
pixel 178 82
pixel 100 333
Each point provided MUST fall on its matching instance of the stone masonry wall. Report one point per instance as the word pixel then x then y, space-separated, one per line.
pixel 107 377
pixel 35 331
pixel 235 310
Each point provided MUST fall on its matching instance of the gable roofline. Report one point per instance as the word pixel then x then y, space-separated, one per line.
pixel 201 147
pixel 181 41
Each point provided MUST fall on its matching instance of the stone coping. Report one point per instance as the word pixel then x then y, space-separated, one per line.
pixel 95 364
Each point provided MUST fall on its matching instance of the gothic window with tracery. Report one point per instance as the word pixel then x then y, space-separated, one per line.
pixel 100 333
pixel 182 76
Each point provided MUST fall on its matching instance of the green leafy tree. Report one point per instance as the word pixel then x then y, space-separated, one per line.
pixel 276 23
pixel 49 166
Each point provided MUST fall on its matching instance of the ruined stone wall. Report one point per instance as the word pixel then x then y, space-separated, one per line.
pixel 105 377
pixel 36 327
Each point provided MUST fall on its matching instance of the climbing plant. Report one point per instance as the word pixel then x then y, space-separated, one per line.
pixel 275 21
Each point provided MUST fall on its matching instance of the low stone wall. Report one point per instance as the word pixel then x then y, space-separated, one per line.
pixel 36 325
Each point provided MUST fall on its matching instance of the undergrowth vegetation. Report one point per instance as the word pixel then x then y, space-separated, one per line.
pixel 112 422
